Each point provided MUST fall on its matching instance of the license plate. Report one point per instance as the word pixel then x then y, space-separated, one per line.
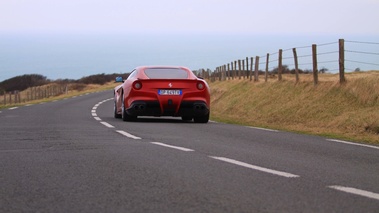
pixel 169 92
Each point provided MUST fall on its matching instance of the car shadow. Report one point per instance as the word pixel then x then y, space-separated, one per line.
pixel 161 120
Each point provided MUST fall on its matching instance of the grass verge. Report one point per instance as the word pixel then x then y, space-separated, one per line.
pixel 349 111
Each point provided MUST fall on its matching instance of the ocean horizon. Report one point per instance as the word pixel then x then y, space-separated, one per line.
pixel 59 56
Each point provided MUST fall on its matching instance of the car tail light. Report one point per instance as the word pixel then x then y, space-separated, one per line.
pixel 200 85
pixel 137 85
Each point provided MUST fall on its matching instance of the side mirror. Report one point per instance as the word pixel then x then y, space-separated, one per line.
pixel 119 79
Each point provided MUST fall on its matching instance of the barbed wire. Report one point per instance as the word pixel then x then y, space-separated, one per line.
pixel 325 62
pixel 361 52
pixel 360 62
pixel 362 42
pixel 326 44
pixel 326 53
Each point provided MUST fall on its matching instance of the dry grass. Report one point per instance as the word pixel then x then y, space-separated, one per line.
pixel 349 111
pixel 73 90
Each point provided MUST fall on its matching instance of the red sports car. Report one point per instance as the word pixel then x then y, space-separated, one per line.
pixel 162 91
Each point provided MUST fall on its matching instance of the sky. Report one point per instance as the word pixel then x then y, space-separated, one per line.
pixel 190 16
pixel 74 38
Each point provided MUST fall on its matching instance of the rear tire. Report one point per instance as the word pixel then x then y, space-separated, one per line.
pixel 116 115
pixel 124 115
pixel 201 119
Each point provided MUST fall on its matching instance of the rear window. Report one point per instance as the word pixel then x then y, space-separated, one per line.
pixel 166 73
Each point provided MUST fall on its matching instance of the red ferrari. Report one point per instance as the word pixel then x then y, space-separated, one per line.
pixel 162 91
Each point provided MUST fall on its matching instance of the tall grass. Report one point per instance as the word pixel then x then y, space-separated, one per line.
pixel 349 111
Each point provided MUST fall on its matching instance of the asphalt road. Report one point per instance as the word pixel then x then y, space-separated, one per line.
pixel 73 156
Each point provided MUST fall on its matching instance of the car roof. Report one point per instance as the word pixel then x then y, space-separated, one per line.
pixel 160 67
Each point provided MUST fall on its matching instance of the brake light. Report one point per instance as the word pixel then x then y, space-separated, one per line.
pixel 137 85
pixel 200 85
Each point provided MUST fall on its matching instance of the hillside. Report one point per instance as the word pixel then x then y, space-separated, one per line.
pixel 349 111
pixel 20 83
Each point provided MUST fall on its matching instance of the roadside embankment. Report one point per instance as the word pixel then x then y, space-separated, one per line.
pixel 349 111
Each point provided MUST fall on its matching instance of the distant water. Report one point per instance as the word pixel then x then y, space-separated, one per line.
pixel 75 56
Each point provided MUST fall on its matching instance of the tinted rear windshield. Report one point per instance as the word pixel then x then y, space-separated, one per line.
pixel 166 73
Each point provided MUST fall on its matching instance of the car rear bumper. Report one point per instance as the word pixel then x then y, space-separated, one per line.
pixel 154 108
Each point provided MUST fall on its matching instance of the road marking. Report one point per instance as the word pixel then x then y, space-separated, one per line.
pixel 107 124
pixel 127 134
pixel 351 143
pixel 271 130
pixel 94 114
pixel 239 163
pixel 93 111
pixel 356 191
pixel 173 147
pixel 12 108
pixel 97 118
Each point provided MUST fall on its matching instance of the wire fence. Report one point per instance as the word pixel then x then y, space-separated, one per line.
pixel 33 93
pixel 340 56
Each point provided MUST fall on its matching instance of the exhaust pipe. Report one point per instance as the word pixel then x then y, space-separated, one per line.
pixel 139 107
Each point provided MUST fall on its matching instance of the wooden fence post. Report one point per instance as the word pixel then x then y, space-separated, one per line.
pixel 225 72
pixel 239 69
pixel 19 96
pixel 251 68
pixel 256 68
pixel 314 58
pixel 5 98
pixel 247 68
pixel 267 62
pixel 280 66
pixel 232 70
pixel 243 68
pixel 296 64
pixel 235 69
pixel 342 60
pixel 228 71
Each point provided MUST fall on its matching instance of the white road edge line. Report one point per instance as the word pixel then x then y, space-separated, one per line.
pixel 173 147
pixel 239 163
pixel 128 134
pixel 271 130
pixel 351 143
pixel 12 108
pixel 107 124
pixel 356 191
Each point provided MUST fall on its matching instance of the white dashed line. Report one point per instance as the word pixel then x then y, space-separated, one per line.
pixel 356 191
pixel 107 124
pixel 239 163
pixel 173 147
pixel 97 118
pixel 351 143
pixel 94 114
pixel 12 108
pixel 128 134
pixel 271 130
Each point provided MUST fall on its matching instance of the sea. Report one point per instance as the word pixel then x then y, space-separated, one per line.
pixel 73 56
